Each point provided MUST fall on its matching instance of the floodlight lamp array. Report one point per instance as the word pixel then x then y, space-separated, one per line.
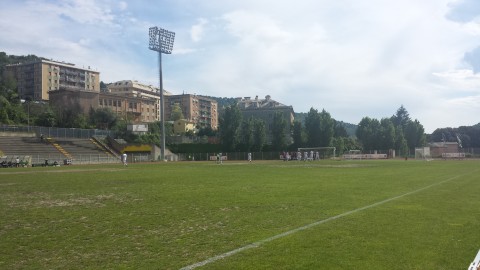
pixel 161 40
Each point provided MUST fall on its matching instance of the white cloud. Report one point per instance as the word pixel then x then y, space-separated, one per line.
pixel 254 28
pixel 196 32
pixel 82 11
pixel 122 5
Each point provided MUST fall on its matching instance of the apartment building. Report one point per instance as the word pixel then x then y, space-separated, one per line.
pixel 265 109
pixel 36 79
pixel 202 111
pixel 132 88
pixel 131 108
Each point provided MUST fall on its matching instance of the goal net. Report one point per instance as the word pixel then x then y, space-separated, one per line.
pixel 423 153
pixel 316 153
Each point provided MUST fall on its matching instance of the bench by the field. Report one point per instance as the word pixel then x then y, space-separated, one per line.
pixel 10 162
pixel 46 164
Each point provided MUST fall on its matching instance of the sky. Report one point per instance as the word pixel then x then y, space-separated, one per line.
pixel 352 58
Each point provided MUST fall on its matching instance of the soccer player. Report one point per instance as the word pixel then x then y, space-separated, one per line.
pixel 124 159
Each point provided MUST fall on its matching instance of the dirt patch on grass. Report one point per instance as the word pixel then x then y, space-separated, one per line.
pixel 7 184
pixel 44 200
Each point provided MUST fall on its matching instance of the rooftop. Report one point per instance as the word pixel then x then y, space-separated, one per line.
pixel 268 102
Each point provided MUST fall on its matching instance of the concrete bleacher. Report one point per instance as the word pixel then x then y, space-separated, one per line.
pixel 27 146
pixel 78 151
pixel 77 147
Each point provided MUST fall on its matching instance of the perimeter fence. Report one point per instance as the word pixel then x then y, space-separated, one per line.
pixel 57 132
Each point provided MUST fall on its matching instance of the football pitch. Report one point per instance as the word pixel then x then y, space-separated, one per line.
pixel 389 214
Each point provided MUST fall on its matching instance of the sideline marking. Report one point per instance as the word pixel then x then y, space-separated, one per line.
pixel 258 243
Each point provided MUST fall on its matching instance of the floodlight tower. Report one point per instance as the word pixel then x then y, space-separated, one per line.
pixel 161 41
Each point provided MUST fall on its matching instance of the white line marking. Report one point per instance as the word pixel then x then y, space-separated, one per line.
pixel 258 243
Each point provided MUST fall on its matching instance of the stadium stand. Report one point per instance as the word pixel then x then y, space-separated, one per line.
pixel 64 151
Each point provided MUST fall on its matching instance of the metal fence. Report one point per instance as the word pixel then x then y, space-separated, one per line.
pixel 229 155
pixel 58 132
pixel 79 159
pixel 471 152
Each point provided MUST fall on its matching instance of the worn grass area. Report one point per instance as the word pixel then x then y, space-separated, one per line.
pixel 171 215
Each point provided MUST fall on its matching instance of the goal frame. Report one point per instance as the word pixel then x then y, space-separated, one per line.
pixel 423 153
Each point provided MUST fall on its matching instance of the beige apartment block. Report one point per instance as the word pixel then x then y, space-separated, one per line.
pixel 131 108
pixel 132 88
pixel 202 111
pixel 36 79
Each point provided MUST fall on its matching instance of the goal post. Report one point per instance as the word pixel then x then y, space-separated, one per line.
pixel 423 153
pixel 315 153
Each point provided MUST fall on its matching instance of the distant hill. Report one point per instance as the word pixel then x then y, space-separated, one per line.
pixel 222 101
pixel 351 128
pixel 6 59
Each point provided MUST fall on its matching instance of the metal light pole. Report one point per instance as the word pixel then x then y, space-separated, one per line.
pixel 161 41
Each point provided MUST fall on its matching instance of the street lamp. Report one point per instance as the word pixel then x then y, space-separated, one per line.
pixel 161 41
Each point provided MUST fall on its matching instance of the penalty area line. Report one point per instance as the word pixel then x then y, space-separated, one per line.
pixel 308 226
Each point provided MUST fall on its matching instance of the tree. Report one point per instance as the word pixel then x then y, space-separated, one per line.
pixel 103 118
pixel 367 133
pixel 120 129
pixel 4 109
pixel 177 113
pixel 207 131
pixel 298 134
pixel 229 127
pixel 47 118
pixel 398 132
pixel 339 129
pixel 4 114
pixel 80 121
pixel 312 128
pixel 11 108
pixel 387 134
pixel 259 135
pixel 401 118
pixel 279 131
pixel 415 134
pixel 339 144
pixel 69 116
pixel 326 129
pixel 351 144
pixel 400 142
pixel 247 135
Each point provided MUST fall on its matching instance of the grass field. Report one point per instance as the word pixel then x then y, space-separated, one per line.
pixel 316 215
